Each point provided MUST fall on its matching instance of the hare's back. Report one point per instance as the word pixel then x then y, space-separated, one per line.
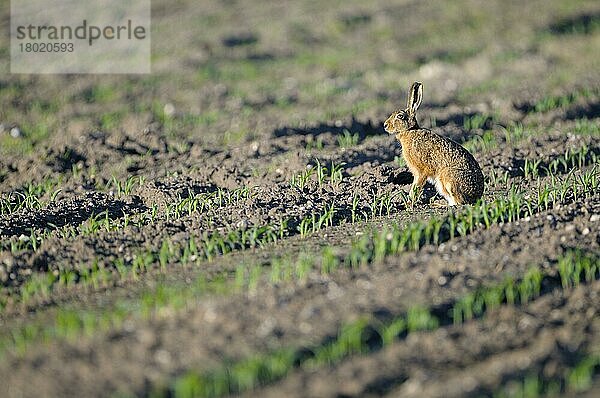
pixel 446 152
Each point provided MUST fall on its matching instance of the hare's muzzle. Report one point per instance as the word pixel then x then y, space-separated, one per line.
pixel 388 126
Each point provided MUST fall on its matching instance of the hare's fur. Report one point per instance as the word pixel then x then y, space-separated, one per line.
pixel 431 157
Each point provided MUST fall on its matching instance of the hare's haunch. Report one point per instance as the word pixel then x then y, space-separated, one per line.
pixel 431 157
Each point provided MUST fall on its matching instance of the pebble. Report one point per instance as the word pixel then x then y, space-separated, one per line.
pixel 364 284
pixel 162 357
pixel 15 132
pixel 334 291
pixel 595 217
pixel 585 231
pixel 266 327
pixel 305 327
pixel 169 109
pixel 242 224
pixel 210 315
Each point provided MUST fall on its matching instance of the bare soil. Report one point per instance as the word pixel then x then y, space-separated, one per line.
pixel 287 128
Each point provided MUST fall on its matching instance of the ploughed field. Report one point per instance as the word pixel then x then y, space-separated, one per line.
pixel 210 232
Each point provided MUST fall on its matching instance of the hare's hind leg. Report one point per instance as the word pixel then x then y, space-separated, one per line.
pixel 443 185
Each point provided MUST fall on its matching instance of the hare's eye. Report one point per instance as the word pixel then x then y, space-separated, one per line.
pixel 400 116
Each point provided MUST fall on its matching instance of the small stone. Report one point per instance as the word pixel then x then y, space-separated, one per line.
pixel 169 109
pixel 210 315
pixel 334 291
pixel 595 217
pixel 363 284
pixel 146 336
pixel 266 327
pixel 305 327
pixel 242 224
pixel 569 228
pixel 15 132
pixel 162 357
pixel 9 263
pixel 585 231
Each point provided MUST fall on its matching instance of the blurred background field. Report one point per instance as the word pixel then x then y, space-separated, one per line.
pixel 226 72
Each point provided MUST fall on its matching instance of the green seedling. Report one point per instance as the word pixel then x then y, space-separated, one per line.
pixel 300 180
pixel 347 139
pixel 476 121
pixel 561 101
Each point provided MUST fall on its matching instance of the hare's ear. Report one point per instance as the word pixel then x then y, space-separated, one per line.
pixel 415 97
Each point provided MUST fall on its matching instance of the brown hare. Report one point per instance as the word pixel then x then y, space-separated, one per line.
pixel 431 157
